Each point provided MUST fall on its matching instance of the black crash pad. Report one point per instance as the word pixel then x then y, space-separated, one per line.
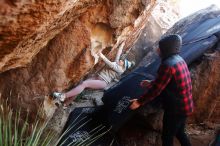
pixel 217 139
pixel 85 126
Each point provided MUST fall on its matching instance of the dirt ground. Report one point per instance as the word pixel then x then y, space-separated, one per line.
pixel 202 134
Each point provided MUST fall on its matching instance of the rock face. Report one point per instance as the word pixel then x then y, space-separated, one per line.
pixel 206 84
pixel 163 16
pixel 52 46
pixel 46 46
pixel 28 27
pixel 53 71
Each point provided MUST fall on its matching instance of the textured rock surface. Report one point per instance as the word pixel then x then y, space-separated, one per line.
pixel 28 27
pixel 206 84
pixel 52 46
pixel 163 16
pixel 52 69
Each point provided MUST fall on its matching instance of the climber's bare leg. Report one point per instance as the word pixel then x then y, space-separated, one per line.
pixel 89 83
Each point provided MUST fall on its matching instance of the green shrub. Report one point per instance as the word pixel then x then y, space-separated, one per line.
pixel 14 131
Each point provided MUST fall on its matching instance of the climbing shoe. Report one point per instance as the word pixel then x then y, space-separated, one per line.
pixel 60 96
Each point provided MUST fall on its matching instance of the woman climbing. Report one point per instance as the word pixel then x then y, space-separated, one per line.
pixel 102 79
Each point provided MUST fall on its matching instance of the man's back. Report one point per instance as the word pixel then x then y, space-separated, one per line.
pixel 178 99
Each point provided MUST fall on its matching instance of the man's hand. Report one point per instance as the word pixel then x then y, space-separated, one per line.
pixel 145 83
pixel 134 104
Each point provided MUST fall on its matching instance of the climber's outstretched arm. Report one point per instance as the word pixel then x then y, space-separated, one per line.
pixel 108 62
pixel 113 65
pixel 118 55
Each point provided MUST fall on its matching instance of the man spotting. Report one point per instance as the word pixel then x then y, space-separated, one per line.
pixel 174 76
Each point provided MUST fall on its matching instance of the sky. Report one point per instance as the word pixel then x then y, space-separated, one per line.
pixel 189 6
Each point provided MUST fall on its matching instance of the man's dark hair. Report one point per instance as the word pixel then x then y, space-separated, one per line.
pixel 170 45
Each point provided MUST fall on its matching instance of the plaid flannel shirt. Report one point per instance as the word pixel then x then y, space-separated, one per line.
pixel 177 78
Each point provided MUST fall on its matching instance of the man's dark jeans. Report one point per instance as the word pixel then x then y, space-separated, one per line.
pixel 174 126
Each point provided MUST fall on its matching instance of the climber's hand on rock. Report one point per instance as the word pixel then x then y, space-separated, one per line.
pixel 100 52
pixel 134 104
